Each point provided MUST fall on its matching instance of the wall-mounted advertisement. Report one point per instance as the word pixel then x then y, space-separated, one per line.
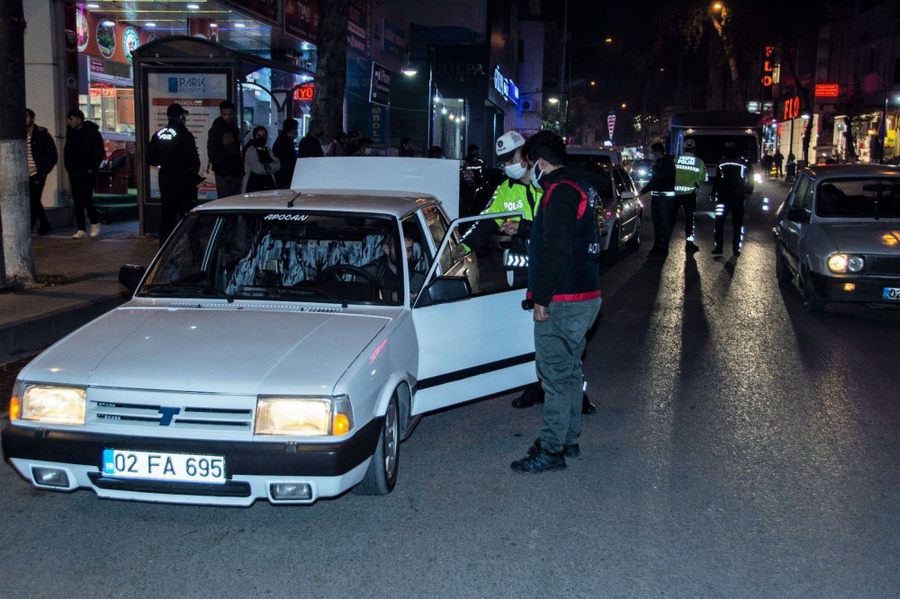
pixel 200 93
pixel 301 18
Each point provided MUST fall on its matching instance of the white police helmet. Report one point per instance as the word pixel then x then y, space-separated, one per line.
pixel 507 144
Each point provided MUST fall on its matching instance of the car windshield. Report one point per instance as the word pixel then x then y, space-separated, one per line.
pixel 870 197
pixel 282 256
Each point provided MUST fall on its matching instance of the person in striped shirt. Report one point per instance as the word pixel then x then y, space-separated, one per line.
pixel 42 157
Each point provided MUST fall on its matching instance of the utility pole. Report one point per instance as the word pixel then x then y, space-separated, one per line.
pixel 563 84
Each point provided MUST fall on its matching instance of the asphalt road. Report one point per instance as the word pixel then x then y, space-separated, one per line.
pixel 743 448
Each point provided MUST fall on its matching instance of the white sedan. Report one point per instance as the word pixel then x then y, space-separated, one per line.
pixel 279 347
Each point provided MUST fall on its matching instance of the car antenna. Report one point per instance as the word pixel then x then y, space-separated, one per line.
pixel 291 203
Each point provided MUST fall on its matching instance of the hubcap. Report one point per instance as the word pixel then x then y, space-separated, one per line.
pixel 391 440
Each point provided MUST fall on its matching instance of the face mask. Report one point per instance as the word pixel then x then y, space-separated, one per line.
pixel 260 141
pixel 536 175
pixel 515 171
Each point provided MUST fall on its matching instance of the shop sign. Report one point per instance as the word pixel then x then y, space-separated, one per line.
pixel 393 39
pixel 611 124
pixel 768 68
pixel 263 9
pixel 82 29
pixel 305 92
pixel 106 38
pixel 358 26
pixel 380 86
pixel 505 87
pixel 131 41
pixel 828 90
pixel 791 109
pixel 301 18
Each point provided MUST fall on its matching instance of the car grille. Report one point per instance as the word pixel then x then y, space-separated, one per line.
pixel 173 418
pixel 883 265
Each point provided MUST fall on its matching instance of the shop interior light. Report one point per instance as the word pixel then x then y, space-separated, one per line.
pixel 409 72
pixel 150 24
pixel 240 25
pixel 92 6
pixel 213 25
pixel 192 6
pixel 107 23
pixel 462 118
pixel 444 110
pixel 452 116
pixel 553 100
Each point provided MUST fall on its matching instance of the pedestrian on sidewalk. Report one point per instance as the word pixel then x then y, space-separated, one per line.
pixel 42 157
pixel 284 151
pixel 564 286
pixel 82 156
pixel 311 144
pixel 174 150
pixel 661 188
pixel 778 159
pixel 260 164
pixel 223 146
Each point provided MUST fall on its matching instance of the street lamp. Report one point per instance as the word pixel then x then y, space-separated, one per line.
pixel 717 7
pixel 553 100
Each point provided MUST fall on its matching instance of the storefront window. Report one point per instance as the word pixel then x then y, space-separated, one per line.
pixel 449 118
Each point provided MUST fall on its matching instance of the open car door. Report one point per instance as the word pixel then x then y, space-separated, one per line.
pixel 474 337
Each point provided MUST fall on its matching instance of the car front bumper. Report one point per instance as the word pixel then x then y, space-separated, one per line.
pixel 250 467
pixel 864 289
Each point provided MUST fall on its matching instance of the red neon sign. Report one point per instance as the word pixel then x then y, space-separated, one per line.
pixel 828 90
pixel 768 68
pixel 305 92
pixel 791 108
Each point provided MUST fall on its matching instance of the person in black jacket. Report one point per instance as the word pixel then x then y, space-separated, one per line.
pixel 661 188
pixel 311 144
pixel 564 289
pixel 283 149
pixel 732 184
pixel 42 158
pixel 223 146
pixel 82 156
pixel 174 150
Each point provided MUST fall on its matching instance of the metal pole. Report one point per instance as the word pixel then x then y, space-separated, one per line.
pixel 563 89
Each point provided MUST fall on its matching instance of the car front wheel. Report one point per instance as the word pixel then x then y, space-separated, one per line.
pixel 811 300
pixel 635 242
pixel 612 251
pixel 782 273
pixel 382 473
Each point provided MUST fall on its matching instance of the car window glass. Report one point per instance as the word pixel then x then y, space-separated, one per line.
pixel 281 255
pixel 437 225
pixel 418 258
pixel 806 202
pixel 859 198
pixel 619 182
pixel 799 191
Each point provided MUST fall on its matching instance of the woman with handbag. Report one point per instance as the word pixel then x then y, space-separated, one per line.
pixel 259 163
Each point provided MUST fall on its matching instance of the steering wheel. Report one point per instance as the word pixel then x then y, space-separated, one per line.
pixel 336 270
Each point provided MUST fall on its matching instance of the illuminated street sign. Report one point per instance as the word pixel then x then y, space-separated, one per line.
pixel 828 90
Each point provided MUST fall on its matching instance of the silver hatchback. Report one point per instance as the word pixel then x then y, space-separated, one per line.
pixel 838 235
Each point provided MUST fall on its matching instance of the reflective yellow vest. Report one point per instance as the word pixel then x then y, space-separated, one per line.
pixel 689 173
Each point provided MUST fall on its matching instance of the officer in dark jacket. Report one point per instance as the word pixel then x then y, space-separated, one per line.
pixel 174 151
pixel 283 149
pixel 564 286
pixel 732 184
pixel 82 156
pixel 661 188
pixel 42 157
pixel 223 146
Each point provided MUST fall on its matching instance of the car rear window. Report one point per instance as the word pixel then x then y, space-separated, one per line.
pixel 870 197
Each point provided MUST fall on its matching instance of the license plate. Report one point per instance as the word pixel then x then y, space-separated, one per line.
pixel 151 465
pixel 891 294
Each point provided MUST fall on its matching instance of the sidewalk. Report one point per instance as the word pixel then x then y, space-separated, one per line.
pixel 81 283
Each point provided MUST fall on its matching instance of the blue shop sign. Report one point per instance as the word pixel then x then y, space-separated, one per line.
pixel 505 87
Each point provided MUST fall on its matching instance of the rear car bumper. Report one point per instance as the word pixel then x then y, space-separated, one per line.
pixel 865 289
pixel 250 467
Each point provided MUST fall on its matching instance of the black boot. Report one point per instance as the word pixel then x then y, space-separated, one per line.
pixel 587 407
pixel 570 450
pixel 532 394
pixel 542 461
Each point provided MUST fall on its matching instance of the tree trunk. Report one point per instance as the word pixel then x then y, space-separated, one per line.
pixel 331 70
pixel 737 92
pixel 15 211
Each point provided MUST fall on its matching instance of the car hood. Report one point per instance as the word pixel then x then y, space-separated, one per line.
pixel 865 238
pixel 234 350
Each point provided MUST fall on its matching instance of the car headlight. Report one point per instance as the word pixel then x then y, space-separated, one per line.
pixel 49 404
pixel 757 178
pixel 843 263
pixel 303 416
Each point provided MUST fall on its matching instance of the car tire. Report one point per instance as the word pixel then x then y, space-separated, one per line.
pixel 612 250
pixel 782 272
pixel 811 301
pixel 381 476
pixel 635 242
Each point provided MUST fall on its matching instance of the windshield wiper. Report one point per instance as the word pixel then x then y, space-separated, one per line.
pixel 174 286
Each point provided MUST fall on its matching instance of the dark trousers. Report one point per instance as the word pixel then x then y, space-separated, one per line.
pixel 177 197
pixel 227 185
pixel 733 205
pixel 36 189
pixel 687 202
pixel 662 213
pixel 83 198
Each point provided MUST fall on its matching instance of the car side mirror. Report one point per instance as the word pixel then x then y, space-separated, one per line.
pixel 445 289
pixel 627 195
pixel 130 276
pixel 797 215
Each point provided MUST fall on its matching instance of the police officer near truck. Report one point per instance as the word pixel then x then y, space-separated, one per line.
pixel 731 186
pixel 690 171
pixel 174 150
